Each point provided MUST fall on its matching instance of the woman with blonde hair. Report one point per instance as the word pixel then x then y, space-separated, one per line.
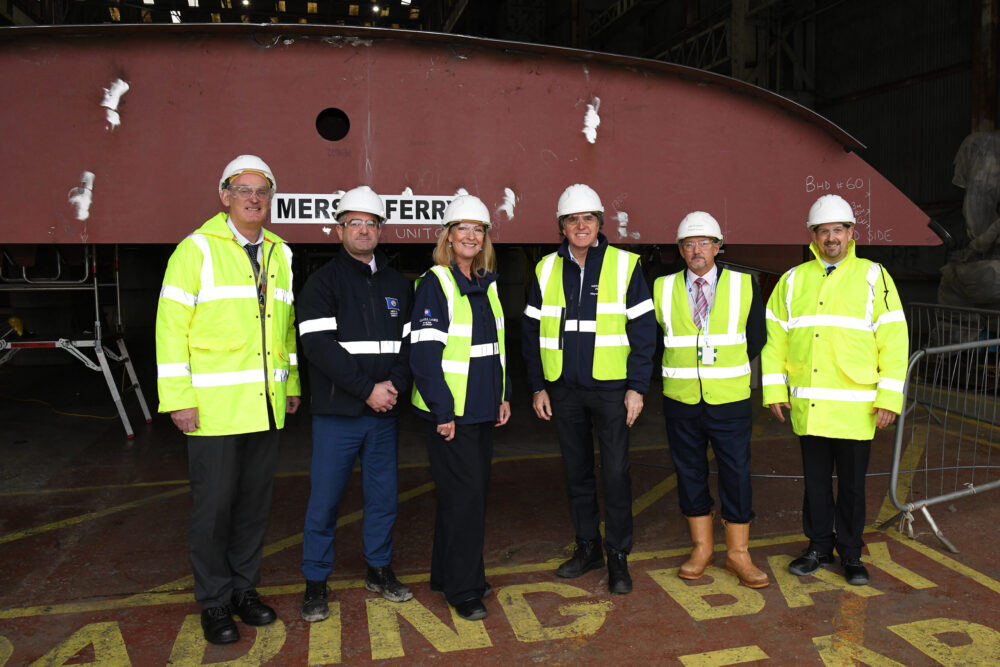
pixel 461 389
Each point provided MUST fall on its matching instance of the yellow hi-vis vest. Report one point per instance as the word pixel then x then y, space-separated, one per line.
pixel 685 378
pixel 458 347
pixel 611 347
pixel 837 347
pixel 211 351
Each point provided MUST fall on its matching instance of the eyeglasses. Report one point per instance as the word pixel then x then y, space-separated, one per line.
pixel 478 230
pixel 691 245
pixel 245 192
pixel 357 223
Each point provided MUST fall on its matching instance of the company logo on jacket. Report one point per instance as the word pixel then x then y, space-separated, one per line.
pixel 392 304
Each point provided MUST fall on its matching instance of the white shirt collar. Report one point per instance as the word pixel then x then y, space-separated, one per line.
pixel 710 276
pixel 242 240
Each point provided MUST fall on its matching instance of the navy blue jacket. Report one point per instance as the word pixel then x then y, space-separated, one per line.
pixel 578 347
pixel 342 303
pixel 483 395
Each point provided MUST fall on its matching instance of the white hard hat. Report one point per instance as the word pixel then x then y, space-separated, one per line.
pixel 578 198
pixel 361 199
pixel 698 223
pixel 466 207
pixel 830 208
pixel 243 164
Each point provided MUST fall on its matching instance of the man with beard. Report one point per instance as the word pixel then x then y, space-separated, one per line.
pixel 836 357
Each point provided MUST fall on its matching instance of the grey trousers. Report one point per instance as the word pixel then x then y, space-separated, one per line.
pixel 232 477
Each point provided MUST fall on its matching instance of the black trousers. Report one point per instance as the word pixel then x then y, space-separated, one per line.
pixel 577 413
pixel 821 514
pixel 730 438
pixel 461 473
pixel 232 477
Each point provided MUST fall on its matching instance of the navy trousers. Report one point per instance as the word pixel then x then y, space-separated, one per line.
pixel 821 514
pixel 574 411
pixel 337 443
pixel 689 437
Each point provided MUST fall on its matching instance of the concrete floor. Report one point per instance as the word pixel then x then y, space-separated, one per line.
pixel 94 569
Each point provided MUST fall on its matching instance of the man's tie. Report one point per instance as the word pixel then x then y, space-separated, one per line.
pixel 700 303
pixel 830 269
pixel 252 253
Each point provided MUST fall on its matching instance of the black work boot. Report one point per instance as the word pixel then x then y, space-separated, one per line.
pixel 586 557
pixel 314 605
pixel 619 580
pixel 383 580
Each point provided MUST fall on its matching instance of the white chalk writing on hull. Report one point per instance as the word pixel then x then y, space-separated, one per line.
pixel 858 193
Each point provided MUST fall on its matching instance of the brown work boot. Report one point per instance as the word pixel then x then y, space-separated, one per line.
pixel 738 561
pixel 704 544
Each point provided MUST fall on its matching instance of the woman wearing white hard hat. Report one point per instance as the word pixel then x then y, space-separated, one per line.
pixel 461 389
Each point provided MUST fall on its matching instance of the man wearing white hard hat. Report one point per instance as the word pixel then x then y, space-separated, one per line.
pixel 588 341
pixel 354 322
pixel 713 328
pixel 835 357
pixel 227 374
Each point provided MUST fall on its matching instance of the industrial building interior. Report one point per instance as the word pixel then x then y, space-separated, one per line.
pixel 93 531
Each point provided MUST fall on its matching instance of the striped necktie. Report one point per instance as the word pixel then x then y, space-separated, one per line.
pixel 252 254
pixel 700 303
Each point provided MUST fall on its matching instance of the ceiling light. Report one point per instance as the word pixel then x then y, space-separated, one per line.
pixel 375 9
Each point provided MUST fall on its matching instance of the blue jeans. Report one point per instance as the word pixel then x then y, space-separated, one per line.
pixel 337 442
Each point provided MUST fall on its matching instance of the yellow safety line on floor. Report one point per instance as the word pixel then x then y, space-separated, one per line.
pixel 945 560
pixel 84 489
pixel 90 516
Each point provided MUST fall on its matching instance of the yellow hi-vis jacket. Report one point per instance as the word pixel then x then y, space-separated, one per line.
pixel 611 346
pixel 837 347
pixel 458 347
pixel 685 378
pixel 216 349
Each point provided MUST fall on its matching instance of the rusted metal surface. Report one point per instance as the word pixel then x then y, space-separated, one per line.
pixel 428 113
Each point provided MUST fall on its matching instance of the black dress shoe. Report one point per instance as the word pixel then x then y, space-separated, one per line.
pixel 251 610
pixel 217 624
pixel 587 556
pixel 438 588
pixel 855 572
pixel 471 610
pixel 619 580
pixel 810 561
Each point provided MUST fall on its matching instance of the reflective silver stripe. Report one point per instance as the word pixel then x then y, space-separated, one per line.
pixel 227 292
pixel 288 259
pixel 850 395
pixel 499 322
pixel 773 378
pixel 735 300
pixel 774 318
pixel 442 274
pixel 890 384
pixel 790 281
pixel 584 326
pixel 610 308
pixel 622 276
pixel 532 312
pixel 293 359
pixel 428 334
pixel 178 295
pixel 840 321
pixel 283 295
pixel 546 343
pixel 406 329
pixel 639 309
pixel 228 378
pixel 666 305
pixel 552 311
pixel 484 350
pixel 611 340
pixel 546 273
pixel 458 367
pixel 891 316
pixel 207 273
pixel 281 374
pixel 715 340
pixel 317 324
pixel 180 369
pixel 372 346
pixel 708 372
pixel 872 277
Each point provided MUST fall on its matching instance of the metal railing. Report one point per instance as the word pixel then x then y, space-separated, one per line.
pixel 945 439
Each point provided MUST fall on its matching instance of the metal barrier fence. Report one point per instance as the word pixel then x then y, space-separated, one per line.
pixel 944 440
